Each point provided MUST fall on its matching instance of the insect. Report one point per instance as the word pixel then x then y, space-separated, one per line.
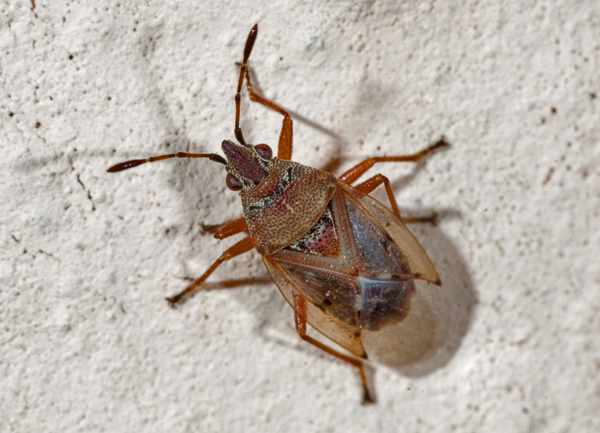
pixel 342 260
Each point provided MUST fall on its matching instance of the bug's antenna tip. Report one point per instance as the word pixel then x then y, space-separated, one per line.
pixel 249 44
pixel 253 33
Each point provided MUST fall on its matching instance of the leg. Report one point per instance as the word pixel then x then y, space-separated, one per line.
pixel 241 247
pixel 226 229
pixel 301 329
pixel 211 229
pixel 370 184
pixel 284 150
pixel 357 171
pixel 231 228
pixel 430 219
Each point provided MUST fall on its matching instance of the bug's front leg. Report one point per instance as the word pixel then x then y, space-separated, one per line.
pixel 241 247
pixel 227 229
pixel 300 310
pixel 284 150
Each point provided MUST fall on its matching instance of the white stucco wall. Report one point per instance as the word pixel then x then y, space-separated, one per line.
pixel 88 343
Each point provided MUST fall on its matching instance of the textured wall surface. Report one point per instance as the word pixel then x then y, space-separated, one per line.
pixel 88 343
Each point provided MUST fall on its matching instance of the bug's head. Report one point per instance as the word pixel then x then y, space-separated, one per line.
pixel 246 165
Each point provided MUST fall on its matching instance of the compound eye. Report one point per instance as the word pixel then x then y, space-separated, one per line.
pixel 264 150
pixel 233 183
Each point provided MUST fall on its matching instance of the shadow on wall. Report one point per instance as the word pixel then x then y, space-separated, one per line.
pixel 439 317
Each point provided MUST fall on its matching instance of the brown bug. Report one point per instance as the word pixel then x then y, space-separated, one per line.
pixel 341 259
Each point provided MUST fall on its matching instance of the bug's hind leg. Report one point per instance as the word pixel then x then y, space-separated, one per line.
pixel 358 170
pixel 241 247
pixel 369 186
pixel 301 329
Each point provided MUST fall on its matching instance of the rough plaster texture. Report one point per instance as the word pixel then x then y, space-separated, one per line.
pixel 88 343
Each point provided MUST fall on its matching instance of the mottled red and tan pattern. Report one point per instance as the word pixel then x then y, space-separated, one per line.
pixel 286 204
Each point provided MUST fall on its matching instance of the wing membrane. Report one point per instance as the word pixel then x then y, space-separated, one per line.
pixel 333 311
pixel 420 267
